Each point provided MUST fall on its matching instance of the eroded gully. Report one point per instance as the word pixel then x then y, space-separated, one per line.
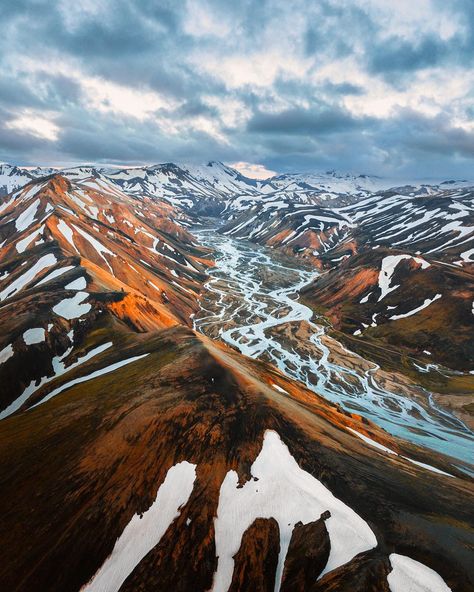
pixel 251 302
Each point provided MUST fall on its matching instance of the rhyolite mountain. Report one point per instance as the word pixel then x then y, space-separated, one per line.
pixel 215 188
pixel 137 454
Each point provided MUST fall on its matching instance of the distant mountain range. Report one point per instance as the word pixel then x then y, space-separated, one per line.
pixel 211 188
pixel 138 454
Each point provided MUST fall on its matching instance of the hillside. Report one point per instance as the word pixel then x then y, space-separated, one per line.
pixel 134 449
pixel 134 481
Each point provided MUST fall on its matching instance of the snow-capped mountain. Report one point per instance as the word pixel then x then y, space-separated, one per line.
pixel 215 189
pixel 429 308
pixel 440 223
pixel 133 449
pixel 12 177
pixel 411 305
pixel 71 251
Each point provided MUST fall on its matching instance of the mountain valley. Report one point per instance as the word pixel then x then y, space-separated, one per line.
pixel 254 384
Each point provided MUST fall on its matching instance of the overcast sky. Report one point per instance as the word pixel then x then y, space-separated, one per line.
pixel 376 86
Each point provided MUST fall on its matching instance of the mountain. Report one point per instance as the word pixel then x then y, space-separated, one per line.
pixel 138 454
pixel 406 301
pixel 439 223
pixel 215 189
pixel 176 455
pixel 204 190
pixel 76 254
pixel 12 177
pixel 396 282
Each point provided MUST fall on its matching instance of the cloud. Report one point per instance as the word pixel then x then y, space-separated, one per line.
pixel 314 121
pixel 254 171
pixel 35 125
pixel 380 87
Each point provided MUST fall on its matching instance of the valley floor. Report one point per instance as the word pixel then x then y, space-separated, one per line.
pixel 252 303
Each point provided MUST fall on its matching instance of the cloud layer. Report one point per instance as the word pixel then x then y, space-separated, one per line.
pixel 363 85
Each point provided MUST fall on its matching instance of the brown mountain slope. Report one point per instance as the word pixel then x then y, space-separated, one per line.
pixel 409 301
pixel 76 469
pixel 72 252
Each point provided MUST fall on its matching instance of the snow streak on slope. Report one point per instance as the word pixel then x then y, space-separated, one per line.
pixel 408 575
pixel 144 532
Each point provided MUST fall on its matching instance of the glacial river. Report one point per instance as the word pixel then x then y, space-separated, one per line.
pixel 251 303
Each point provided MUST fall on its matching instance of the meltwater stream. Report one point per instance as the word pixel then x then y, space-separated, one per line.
pixel 251 302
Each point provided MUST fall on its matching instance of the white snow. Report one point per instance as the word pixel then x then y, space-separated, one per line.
pixel 35 335
pixel 466 256
pixel 27 217
pixel 88 377
pixel 388 266
pixel 390 451
pixel 98 246
pixel 144 532
pixel 68 234
pixel 6 353
pixel 427 467
pixel 371 442
pixel 425 304
pixel 77 284
pixel 71 308
pixel 22 244
pixel 18 284
pixel 59 368
pixel 54 274
pixel 279 388
pixel 289 494
pixel 408 575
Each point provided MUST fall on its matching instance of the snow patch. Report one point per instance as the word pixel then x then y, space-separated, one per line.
pixel 18 284
pixel 6 353
pixel 91 376
pixel 22 244
pixel 35 335
pixel 289 494
pixel 54 274
pixel 279 388
pixel 371 442
pixel 408 575
pixel 144 532
pixel 425 304
pixel 71 308
pixel 27 217
pixel 68 234
pixel 388 267
pixel 59 368
pixel 78 284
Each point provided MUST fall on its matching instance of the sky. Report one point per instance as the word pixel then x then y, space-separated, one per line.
pixel 369 86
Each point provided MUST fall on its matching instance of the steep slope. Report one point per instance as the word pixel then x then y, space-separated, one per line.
pixel 204 190
pixel 74 252
pixel 439 223
pixel 422 307
pixel 13 177
pixel 305 230
pixel 191 467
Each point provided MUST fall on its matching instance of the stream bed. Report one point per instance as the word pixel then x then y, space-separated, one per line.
pixel 251 302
